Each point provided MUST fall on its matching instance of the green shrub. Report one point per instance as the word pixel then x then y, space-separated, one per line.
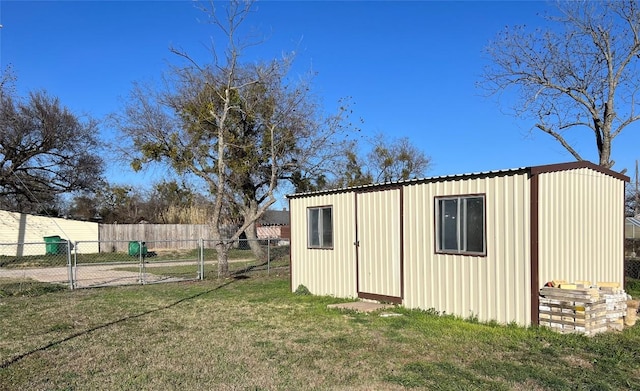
pixel 302 290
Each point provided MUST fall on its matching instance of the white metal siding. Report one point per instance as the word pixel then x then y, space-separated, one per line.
pixel 24 228
pixel 325 271
pixel 581 217
pixel 493 287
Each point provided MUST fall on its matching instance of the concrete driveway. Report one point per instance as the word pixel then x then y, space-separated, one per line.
pixel 92 275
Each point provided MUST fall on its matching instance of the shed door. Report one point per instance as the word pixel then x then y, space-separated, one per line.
pixel 379 245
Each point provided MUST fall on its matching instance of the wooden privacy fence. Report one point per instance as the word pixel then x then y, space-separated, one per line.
pixel 163 236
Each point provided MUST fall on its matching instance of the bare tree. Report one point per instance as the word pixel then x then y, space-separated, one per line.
pixel 324 155
pixel 580 74
pixel 240 128
pixel 395 160
pixel 165 202
pixel 45 150
pixel 386 160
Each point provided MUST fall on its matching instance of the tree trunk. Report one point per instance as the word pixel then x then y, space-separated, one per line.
pixel 222 250
pixel 605 153
pixel 254 244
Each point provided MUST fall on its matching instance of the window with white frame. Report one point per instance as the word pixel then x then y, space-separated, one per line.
pixel 320 227
pixel 460 224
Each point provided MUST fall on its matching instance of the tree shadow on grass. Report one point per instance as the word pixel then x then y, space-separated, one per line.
pixel 240 272
pixel 264 266
pixel 19 357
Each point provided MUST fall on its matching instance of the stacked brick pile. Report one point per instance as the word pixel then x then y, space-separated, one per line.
pixel 616 302
pixel 583 308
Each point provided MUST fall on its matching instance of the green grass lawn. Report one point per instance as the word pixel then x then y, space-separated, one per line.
pixel 251 333
pixel 235 268
pixel 632 287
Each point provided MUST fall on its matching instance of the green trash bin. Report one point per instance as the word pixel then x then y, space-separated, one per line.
pixel 53 245
pixel 134 249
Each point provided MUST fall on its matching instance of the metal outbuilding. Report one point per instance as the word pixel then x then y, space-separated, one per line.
pixel 478 244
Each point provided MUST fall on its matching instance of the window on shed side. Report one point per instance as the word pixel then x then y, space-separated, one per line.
pixel 460 224
pixel 320 227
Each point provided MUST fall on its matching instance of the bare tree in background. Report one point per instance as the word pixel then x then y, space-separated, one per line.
pixel 396 160
pixel 387 160
pixel 45 151
pixel 164 202
pixel 580 74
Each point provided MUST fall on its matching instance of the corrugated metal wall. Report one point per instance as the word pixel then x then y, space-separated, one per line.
pixel 24 228
pixel 495 286
pixel 581 217
pixel 325 271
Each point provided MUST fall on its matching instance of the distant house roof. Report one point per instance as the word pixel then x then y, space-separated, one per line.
pixel 274 217
pixel 632 228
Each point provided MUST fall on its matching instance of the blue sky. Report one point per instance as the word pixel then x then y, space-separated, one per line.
pixel 410 68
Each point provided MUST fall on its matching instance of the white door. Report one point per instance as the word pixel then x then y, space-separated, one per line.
pixel 379 242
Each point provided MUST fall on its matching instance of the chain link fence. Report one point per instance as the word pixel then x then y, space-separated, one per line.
pixel 249 256
pixel 632 260
pixel 85 264
pixel 632 268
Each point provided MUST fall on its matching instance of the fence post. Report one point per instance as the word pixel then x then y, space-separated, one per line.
pixel 75 264
pixel 201 260
pixel 141 259
pixel 69 264
pixel 268 256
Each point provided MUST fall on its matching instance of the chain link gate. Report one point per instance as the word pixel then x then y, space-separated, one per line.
pixel 141 264
pixel 84 264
